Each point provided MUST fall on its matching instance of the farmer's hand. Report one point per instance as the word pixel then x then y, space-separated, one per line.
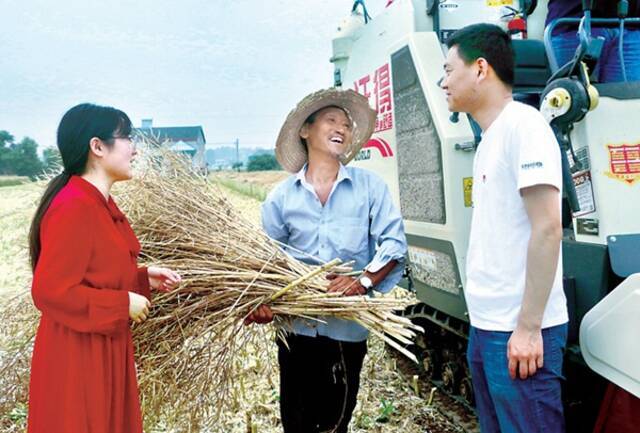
pixel 163 279
pixel 348 286
pixel 262 314
pixel 525 352
pixel 138 307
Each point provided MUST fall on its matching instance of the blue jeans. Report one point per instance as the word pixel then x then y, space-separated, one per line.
pixel 506 405
pixel 609 68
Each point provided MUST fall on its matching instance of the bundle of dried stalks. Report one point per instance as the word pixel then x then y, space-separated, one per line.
pixel 189 349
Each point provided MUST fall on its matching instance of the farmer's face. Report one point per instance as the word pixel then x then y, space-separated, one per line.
pixel 331 132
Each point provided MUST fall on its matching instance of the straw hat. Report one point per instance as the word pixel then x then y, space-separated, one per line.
pixel 291 152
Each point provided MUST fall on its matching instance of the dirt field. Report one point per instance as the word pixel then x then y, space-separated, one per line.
pixel 387 403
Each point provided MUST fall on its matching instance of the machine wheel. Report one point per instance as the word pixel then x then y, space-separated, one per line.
pixel 429 363
pixel 466 390
pixel 449 377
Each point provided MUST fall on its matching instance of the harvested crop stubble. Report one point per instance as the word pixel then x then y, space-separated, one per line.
pixel 19 321
pixel 189 349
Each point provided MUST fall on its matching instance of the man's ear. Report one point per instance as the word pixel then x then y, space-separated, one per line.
pixel 304 131
pixel 97 146
pixel 482 68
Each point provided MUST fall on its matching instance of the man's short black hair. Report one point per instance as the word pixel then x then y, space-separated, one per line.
pixel 489 42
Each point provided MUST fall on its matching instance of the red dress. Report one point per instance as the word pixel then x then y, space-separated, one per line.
pixel 83 377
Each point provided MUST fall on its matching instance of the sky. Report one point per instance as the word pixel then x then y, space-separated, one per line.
pixel 235 67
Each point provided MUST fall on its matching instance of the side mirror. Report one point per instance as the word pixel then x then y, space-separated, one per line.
pixel 587 5
pixel 431 6
pixel 528 6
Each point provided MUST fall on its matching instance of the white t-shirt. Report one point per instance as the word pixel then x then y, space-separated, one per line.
pixel 518 150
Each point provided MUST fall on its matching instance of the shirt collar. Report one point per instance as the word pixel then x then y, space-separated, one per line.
pixel 343 174
pixel 300 174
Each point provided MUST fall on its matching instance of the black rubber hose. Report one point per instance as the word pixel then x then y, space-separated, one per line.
pixel 567 182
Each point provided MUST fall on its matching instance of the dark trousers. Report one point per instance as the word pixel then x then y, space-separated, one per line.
pixel 319 381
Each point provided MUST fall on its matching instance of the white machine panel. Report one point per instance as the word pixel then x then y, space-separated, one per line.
pixel 609 336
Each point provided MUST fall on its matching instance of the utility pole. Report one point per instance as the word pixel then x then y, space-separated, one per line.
pixel 237 154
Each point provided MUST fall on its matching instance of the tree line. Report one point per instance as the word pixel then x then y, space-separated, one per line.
pixel 20 158
pixel 263 161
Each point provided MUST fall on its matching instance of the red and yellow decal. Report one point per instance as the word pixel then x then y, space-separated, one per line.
pixel 624 162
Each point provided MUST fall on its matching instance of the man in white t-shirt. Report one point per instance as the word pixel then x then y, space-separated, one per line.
pixel 514 292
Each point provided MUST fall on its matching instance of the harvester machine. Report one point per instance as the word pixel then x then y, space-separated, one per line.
pixel 425 154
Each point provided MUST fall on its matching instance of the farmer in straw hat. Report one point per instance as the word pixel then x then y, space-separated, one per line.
pixel 323 211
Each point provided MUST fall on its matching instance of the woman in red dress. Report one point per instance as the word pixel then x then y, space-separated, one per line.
pixel 87 284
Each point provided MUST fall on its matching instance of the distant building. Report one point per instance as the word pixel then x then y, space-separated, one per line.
pixel 188 140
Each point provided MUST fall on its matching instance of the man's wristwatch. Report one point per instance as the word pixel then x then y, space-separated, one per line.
pixel 365 282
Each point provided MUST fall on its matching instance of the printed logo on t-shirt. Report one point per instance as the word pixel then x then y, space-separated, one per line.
pixel 532 165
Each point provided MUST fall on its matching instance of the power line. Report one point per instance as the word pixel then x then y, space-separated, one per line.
pixel 233 143
pixel 240 115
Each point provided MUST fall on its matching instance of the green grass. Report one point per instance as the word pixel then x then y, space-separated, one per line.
pixel 244 188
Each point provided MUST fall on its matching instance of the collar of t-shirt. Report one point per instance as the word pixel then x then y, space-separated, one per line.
pixel 498 120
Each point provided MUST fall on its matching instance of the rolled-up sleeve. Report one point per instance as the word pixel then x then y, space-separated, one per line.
pixel 142 279
pixel 387 231
pixel 272 219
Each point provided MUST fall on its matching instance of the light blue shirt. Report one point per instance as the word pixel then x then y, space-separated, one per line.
pixel 358 222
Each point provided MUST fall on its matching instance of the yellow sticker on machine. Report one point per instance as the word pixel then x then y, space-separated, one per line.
pixel 467 187
pixel 499 2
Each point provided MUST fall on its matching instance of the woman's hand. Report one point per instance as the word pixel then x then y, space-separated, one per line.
pixel 138 307
pixel 163 279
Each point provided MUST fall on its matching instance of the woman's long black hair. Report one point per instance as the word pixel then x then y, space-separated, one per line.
pixel 78 126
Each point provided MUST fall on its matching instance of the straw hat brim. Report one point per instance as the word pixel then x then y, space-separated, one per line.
pixel 291 153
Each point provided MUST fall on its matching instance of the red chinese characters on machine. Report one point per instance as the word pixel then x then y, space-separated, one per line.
pixel 378 86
